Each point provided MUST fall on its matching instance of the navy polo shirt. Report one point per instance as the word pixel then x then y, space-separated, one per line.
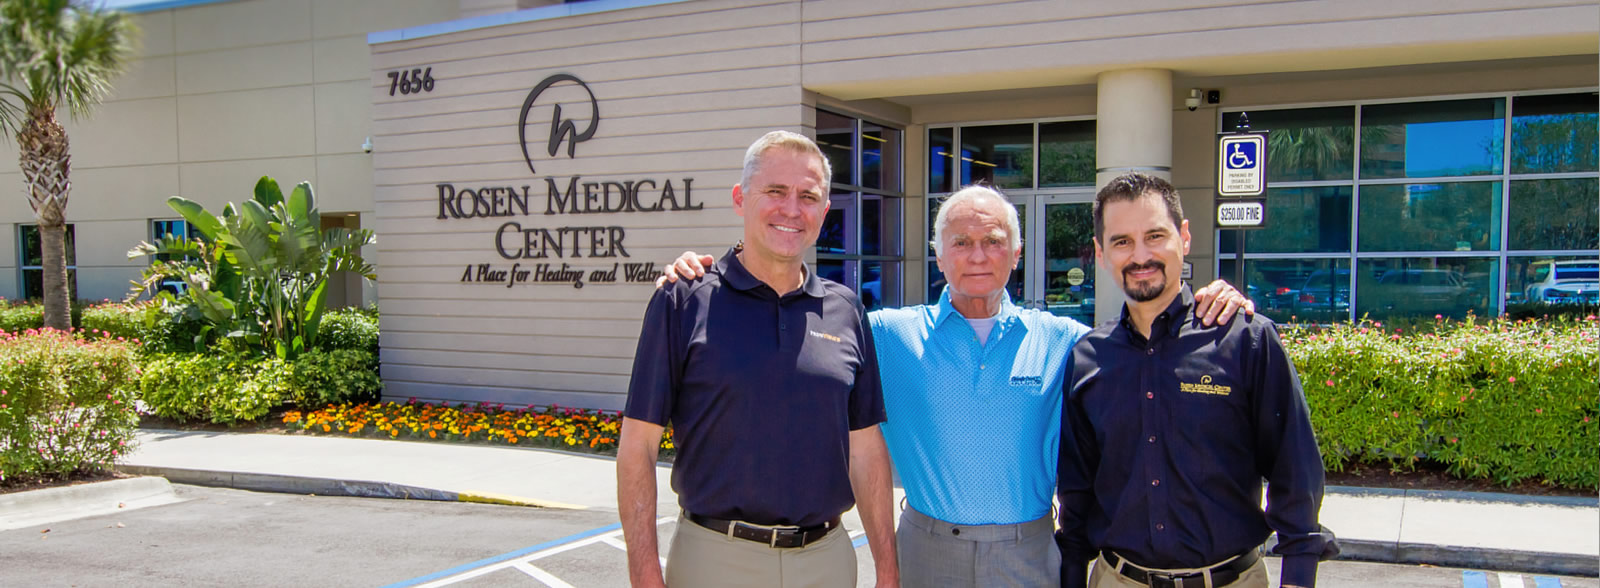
pixel 1167 439
pixel 762 392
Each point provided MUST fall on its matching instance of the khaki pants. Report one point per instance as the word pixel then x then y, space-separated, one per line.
pixel 1104 576
pixel 702 558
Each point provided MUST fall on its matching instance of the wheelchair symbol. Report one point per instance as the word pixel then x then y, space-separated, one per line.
pixel 1242 156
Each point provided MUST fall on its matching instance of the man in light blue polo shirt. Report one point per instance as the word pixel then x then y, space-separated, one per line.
pixel 972 390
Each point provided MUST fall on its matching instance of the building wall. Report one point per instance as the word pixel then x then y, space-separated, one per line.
pixel 217 96
pixel 682 90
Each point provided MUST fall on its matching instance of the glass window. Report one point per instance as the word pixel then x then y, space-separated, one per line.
pixel 1457 216
pixel 31 254
pixel 1297 290
pixel 1001 155
pixel 880 225
pixel 1552 280
pixel 1555 214
pixel 941 160
pixel 835 226
pixel 1066 154
pixel 880 157
pixel 835 135
pixel 1432 139
pixel 1552 134
pixel 1300 220
pixel 1305 144
pixel 1427 286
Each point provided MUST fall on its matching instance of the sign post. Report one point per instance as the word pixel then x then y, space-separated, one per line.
pixel 1241 183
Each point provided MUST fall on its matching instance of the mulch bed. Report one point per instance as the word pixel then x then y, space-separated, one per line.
pixel 1433 476
pixel 24 484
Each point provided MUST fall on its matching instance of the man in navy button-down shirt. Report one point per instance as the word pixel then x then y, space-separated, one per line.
pixel 768 375
pixel 1170 426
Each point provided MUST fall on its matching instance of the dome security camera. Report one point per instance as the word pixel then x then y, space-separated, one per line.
pixel 1193 101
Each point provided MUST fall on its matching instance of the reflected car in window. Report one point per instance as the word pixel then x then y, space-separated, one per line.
pixel 1422 290
pixel 1565 282
pixel 1324 295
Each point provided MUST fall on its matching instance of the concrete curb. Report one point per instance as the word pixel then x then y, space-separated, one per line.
pixel 331 487
pixel 37 507
pixel 1508 560
pixel 1461 496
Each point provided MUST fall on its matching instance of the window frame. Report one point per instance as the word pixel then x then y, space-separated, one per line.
pixel 1502 255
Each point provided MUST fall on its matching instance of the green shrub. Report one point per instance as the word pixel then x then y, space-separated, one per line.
pixel 217 388
pixel 322 378
pixel 349 328
pixel 66 403
pixel 1505 400
pixel 16 318
pixel 116 319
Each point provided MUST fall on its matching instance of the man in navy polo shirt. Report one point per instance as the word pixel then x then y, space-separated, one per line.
pixel 769 377
pixel 1171 425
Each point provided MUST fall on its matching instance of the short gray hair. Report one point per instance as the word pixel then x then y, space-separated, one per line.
pixel 973 194
pixel 792 141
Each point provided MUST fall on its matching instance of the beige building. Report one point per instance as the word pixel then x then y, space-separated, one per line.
pixel 529 160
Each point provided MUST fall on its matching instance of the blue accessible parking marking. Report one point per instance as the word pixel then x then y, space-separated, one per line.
pixel 1476 579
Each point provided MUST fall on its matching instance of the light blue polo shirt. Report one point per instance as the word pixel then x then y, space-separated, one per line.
pixel 974 428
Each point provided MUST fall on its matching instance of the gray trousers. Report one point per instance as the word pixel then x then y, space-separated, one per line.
pixel 937 554
pixel 702 558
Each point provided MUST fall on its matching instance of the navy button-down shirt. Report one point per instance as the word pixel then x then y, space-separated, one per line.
pixel 762 392
pixel 1167 440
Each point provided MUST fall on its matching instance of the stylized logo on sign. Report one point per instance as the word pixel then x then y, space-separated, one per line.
pixel 561 129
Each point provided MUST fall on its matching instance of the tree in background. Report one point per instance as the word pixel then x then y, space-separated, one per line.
pixel 55 53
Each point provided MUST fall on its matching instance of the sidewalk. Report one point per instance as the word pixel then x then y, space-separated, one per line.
pixel 1457 529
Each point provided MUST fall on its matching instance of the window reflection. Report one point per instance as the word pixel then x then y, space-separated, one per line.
pixel 1000 155
pixel 1297 290
pixel 1458 216
pixel 880 157
pixel 1305 144
pixel 1426 286
pixel 941 160
pixel 835 137
pixel 1555 214
pixel 1552 134
pixel 1432 139
pixel 1546 280
pixel 1303 220
pixel 1066 154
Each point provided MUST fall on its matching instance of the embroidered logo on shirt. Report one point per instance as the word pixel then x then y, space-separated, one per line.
pixel 833 338
pixel 1205 387
pixel 1027 380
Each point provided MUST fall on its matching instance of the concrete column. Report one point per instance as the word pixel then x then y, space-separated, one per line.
pixel 1133 132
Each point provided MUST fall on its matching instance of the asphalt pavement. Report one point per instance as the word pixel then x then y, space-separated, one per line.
pixel 1537 535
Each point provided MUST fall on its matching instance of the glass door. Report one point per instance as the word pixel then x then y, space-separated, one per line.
pixel 1066 271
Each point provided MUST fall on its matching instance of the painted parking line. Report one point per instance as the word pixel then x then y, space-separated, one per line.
pixel 1476 579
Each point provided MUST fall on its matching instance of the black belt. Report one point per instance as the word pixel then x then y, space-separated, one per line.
pixel 771 536
pixel 1222 574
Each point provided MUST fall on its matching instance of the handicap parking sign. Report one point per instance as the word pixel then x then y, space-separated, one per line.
pixel 1241 170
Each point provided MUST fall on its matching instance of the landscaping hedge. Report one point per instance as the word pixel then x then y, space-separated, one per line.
pixel 1505 400
pixel 66 403
pixel 232 389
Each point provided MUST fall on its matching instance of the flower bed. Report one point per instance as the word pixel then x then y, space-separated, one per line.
pixel 553 426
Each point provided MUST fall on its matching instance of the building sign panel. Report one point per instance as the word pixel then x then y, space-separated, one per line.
pixel 1241 165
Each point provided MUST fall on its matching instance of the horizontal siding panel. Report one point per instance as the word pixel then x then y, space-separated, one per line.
pixel 530 326
pixel 401 391
pixel 615 347
pixel 590 294
pixel 503 378
pixel 477 359
pixel 636 126
pixel 512 307
pixel 636 237
pixel 462 60
pixel 501 129
pixel 597 29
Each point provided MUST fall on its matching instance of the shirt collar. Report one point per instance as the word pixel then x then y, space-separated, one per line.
pixel 946 309
pixel 1175 314
pixel 735 274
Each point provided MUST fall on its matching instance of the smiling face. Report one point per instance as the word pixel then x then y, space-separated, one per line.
pixel 783 205
pixel 977 256
pixel 1142 249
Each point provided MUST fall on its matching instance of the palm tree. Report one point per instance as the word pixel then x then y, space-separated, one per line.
pixel 55 53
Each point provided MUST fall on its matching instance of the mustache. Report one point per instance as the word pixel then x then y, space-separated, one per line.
pixel 1154 264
